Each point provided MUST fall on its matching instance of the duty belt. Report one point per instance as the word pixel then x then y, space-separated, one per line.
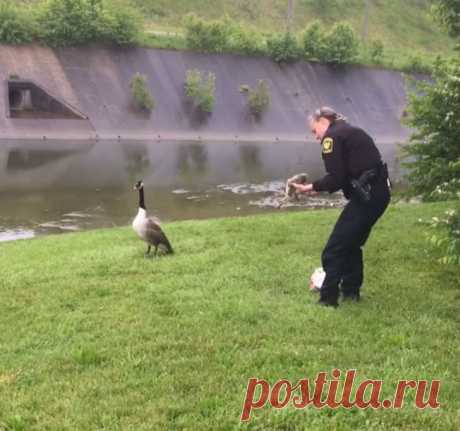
pixel 362 185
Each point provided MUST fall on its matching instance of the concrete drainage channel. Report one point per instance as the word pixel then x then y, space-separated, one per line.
pixel 85 92
pixel 71 142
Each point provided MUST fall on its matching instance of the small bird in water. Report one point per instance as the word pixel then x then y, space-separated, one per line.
pixel 148 228
pixel 290 191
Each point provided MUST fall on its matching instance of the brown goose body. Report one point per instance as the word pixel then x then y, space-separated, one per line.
pixel 148 228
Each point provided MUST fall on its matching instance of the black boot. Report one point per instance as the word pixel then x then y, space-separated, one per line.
pixel 351 297
pixel 328 303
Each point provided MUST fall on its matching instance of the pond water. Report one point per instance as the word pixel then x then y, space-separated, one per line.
pixel 63 186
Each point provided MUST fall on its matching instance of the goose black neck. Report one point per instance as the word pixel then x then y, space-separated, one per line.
pixel 141 198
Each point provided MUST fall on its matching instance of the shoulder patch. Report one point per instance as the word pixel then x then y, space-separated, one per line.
pixel 328 145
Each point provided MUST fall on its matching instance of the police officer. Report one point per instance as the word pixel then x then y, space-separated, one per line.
pixel 353 165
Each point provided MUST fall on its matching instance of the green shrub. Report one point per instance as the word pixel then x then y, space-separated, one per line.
pixel 192 83
pixel 70 22
pixel 120 23
pixel 245 41
pixel 222 36
pixel 283 48
pixel 259 98
pixel 141 93
pixel 377 51
pixel 341 44
pixel 448 190
pixel 76 22
pixel 200 89
pixel 447 236
pixel 416 64
pixel 15 24
pixel 314 43
pixel 206 36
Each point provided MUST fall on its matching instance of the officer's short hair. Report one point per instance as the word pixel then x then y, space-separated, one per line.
pixel 328 113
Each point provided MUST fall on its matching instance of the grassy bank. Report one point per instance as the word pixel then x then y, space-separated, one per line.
pixel 407 29
pixel 398 23
pixel 406 34
pixel 95 336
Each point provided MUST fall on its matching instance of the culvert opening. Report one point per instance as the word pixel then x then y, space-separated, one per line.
pixel 28 100
pixel 15 97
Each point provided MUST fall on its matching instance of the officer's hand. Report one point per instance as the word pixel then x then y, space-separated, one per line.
pixel 304 188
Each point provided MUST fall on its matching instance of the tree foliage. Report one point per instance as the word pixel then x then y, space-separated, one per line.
pixel 434 150
pixel 448 12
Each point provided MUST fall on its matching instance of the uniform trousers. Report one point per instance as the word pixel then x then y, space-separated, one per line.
pixel 342 257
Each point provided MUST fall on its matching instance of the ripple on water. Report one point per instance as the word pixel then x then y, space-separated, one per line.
pixel 77 214
pixel 306 202
pixel 275 197
pixel 248 188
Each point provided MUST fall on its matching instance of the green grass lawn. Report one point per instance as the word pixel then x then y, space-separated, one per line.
pixel 93 336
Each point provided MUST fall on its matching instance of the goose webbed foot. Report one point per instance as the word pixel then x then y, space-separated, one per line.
pixel 147 253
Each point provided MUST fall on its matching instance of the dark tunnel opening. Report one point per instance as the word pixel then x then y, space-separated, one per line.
pixel 28 100
pixel 16 97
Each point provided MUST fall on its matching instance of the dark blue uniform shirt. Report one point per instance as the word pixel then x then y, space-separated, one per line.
pixel 347 152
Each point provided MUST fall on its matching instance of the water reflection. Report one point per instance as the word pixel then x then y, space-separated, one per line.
pixel 49 187
pixel 250 162
pixel 37 164
pixel 137 161
pixel 23 160
pixel 192 159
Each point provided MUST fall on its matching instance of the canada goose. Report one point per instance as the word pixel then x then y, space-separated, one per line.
pixel 290 191
pixel 148 228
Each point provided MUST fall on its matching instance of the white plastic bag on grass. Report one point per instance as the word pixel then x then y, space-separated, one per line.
pixel 317 279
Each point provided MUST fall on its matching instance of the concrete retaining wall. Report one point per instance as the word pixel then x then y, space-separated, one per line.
pixel 95 80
